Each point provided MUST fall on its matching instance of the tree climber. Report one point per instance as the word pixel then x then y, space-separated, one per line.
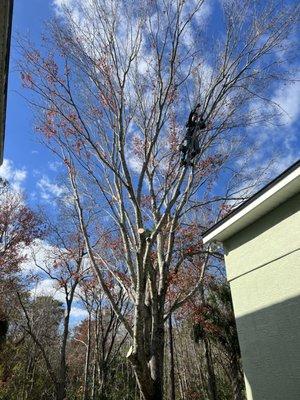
pixel 190 144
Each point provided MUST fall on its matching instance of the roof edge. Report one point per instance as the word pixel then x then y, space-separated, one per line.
pixel 217 229
pixel 6 71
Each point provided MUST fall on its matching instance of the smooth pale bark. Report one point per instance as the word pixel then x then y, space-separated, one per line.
pixel 61 386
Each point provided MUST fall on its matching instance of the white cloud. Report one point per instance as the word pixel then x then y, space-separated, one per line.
pixel 79 313
pixel 54 165
pixel 49 190
pixel 187 37
pixel 204 13
pixel 134 161
pixel 283 163
pixel 206 75
pixel 13 175
pixel 36 254
pixel 59 4
pixel 135 164
pixel 143 67
pixel 278 142
pixel 288 98
pixel 48 287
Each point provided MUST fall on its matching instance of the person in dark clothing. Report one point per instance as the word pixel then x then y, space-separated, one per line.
pixel 190 144
pixel 191 123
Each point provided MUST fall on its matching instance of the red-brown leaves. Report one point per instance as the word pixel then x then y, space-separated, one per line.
pixel 174 137
pixel 225 209
pixel 27 80
pixel 188 240
pixel 52 70
pixel 19 226
pixel 138 147
pixel 47 128
pixel 172 94
pixel 33 56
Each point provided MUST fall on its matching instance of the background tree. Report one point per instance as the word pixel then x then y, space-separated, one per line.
pixel 104 341
pixel 216 321
pixel 19 226
pixel 66 266
pixel 23 358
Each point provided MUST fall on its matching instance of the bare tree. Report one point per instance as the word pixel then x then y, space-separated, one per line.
pixel 112 93
pixel 42 329
pixel 64 263
pixel 19 227
pixel 103 339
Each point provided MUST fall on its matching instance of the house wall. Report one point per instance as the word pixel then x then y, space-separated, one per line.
pixel 263 268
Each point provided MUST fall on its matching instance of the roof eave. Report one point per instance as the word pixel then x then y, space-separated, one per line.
pixel 285 188
pixel 5 36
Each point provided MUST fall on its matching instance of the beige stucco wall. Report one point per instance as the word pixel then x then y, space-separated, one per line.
pixel 263 267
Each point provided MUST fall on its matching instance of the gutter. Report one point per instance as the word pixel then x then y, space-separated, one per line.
pixel 270 196
pixel 6 12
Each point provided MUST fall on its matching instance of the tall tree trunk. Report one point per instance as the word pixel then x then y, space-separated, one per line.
pixel 60 391
pixel 94 376
pixel 157 356
pixel 178 357
pixel 62 373
pixel 87 362
pixel 172 366
pixel 28 373
pixel 103 379
pixel 237 380
pixel 61 386
pixel 211 378
pixel 199 366
pixel 149 381
pixel 32 381
pixel 148 359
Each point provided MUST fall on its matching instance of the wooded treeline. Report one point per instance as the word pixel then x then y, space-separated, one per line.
pixel 46 355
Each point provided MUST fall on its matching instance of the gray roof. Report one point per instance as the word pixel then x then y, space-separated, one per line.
pixel 6 7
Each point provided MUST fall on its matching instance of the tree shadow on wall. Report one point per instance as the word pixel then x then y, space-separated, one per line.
pixel 270 346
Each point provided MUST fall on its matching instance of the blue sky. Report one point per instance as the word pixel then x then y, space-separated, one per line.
pixel 30 165
pixel 27 163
